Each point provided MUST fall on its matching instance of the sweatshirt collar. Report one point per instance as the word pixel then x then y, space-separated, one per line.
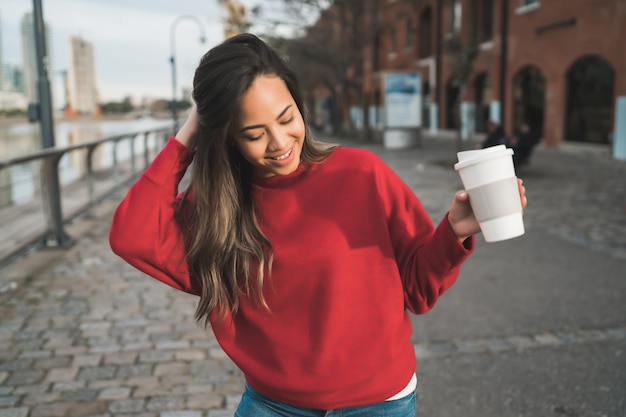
pixel 278 181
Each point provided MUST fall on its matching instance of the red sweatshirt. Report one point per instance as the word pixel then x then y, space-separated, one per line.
pixel 354 252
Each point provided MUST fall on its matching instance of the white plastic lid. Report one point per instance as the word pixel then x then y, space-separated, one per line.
pixel 482 155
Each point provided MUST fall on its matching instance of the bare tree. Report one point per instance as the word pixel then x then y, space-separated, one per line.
pixel 462 52
pixel 331 50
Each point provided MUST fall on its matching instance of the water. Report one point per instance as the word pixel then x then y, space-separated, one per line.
pixel 23 137
pixel 19 183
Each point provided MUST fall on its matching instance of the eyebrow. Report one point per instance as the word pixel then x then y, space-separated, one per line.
pixel 282 113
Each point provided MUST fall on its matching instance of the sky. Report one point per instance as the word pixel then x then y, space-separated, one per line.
pixel 131 40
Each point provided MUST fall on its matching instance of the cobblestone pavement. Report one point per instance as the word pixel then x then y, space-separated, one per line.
pixel 89 336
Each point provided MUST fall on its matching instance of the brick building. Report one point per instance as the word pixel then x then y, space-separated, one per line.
pixel 559 65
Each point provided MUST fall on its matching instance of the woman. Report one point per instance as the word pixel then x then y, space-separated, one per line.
pixel 307 257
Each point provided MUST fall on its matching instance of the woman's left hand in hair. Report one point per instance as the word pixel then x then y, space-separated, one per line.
pixel 461 215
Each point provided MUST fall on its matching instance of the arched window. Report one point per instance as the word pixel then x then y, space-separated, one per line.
pixel 425 33
pixel 482 94
pixel 529 89
pixel 485 28
pixel 590 86
pixel 409 34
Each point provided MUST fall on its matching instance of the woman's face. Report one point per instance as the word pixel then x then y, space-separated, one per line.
pixel 269 129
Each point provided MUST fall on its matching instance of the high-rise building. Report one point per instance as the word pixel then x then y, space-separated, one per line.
pixel 2 76
pixel 29 53
pixel 81 78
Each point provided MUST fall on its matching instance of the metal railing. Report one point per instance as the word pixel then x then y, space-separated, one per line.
pixel 27 224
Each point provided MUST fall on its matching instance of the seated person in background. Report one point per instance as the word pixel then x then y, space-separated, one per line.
pixel 495 135
pixel 523 144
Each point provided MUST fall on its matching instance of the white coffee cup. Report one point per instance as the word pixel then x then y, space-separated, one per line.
pixel 488 176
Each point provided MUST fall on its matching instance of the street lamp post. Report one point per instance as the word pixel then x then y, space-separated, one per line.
pixel 51 189
pixel 173 59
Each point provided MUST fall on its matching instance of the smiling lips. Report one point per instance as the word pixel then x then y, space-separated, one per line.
pixel 285 156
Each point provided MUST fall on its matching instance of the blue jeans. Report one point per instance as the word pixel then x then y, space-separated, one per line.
pixel 254 404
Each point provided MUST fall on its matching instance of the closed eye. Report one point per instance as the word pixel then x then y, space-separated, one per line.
pixel 286 122
pixel 253 138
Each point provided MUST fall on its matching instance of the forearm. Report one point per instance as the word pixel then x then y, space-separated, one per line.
pixel 435 267
pixel 145 231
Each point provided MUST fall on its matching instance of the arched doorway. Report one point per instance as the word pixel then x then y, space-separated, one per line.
pixel 452 104
pixel 590 85
pixel 482 94
pixel 529 91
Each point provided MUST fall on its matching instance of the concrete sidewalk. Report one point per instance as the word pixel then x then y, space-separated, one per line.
pixel 535 326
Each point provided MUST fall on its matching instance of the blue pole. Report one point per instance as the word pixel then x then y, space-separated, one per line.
pixel 43 84
pixel 619 136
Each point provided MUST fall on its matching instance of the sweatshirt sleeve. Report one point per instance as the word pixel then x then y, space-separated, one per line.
pixel 428 257
pixel 145 231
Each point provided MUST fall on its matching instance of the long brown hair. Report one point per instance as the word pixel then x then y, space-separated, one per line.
pixel 225 245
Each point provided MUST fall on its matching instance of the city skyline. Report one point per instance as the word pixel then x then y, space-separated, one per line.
pixel 131 42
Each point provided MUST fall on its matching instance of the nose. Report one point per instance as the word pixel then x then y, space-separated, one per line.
pixel 279 140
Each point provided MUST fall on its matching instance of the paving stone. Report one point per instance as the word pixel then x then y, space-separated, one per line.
pixel 548 339
pixel 38 399
pixel 154 356
pixel 31 389
pixel 24 377
pixel 35 354
pixel 130 371
pixel 521 342
pixel 68 385
pixel 16 365
pixel 164 403
pixel 105 348
pixel 115 394
pixel 497 345
pixel 177 380
pixel 14 412
pixel 51 363
pixel 232 401
pixel 87 360
pixel 126 406
pixel 136 346
pixel 217 353
pixel 172 344
pixel 144 414
pixel 172 368
pixel 69 351
pixel 205 401
pixel 8 401
pixel 181 414
pixel 619 334
pixel 55 409
pixel 80 395
pixel 221 413
pixel 151 391
pixel 120 358
pixel 190 355
pixel 470 346
pixel 192 388
pixel 104 384
pixel 101 372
